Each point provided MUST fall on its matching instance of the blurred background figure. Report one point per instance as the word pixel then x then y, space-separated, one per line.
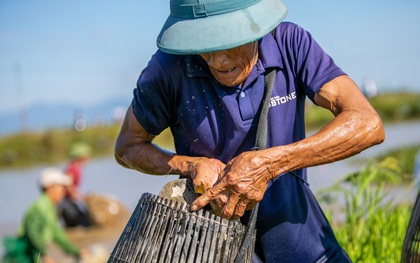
pixel 369 88
pixel 40 226
pixel 73 209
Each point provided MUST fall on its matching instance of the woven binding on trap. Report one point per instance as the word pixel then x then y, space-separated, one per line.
pixel 161 230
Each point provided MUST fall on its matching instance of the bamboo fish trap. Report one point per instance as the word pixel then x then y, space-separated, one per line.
pixel 163 230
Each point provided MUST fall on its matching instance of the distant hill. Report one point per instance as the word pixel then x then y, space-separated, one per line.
pixel 41 117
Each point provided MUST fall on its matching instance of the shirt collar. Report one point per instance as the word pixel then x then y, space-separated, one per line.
pixel 268 57
pixel 269 53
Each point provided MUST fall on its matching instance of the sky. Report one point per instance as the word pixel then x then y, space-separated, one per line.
pixel 86 52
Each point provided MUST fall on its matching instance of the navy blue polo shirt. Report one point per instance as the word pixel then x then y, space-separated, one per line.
pixel 208 119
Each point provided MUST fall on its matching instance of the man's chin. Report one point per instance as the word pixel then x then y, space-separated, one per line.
pixel 228 84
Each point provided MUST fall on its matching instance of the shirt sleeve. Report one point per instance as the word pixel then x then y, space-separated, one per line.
pixel 153 95
pixel 312 66
pixel 60 238
pixel 36 229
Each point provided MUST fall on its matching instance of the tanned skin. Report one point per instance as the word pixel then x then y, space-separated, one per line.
pixel 241 183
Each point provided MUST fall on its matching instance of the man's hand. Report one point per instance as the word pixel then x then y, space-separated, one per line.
pixel 205 173
pixel 242 185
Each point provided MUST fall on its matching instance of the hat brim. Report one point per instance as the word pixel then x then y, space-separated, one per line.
pixel 220 32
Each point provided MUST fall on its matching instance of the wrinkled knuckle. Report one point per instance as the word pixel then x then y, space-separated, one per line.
pixel 212 193
pixel 223 199
pixel 242 188
pixel 237 215
pixel 226 215
pixel 259 196
pixel 227 212
pixel 231 180
pixel 240 209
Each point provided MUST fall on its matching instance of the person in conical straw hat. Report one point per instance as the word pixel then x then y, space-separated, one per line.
pixel 206 83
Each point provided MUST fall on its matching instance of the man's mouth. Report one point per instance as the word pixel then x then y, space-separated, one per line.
pixel 227 71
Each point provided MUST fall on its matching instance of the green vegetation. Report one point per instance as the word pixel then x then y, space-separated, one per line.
pixel 397 107
pixel 373 227
pixel 371 222
pixel 52 146
pixel 392 107
pixel 405 160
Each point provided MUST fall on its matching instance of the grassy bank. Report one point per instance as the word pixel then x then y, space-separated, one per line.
pixel 50 147
pixel 392 107
pixel 370 226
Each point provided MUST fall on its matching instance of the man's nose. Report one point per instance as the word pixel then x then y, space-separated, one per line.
pixel 218 58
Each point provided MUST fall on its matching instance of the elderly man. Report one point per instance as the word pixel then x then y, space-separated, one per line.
pixel 206 83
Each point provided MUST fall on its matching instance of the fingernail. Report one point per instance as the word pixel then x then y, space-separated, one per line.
pixel 193 208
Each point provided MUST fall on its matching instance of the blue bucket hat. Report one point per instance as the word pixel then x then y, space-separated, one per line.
pixel 200 26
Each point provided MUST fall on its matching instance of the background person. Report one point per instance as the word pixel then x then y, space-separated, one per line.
pixel 206 84
pixel 73 208
pixel 40 226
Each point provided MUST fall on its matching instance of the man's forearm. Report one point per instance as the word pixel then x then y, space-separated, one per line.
pixel 145 157
pixel 151 159
pixel 348 134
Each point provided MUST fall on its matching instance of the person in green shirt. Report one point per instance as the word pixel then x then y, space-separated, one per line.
pixel 40 226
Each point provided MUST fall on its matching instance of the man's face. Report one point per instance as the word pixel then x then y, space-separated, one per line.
pixel 232 66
